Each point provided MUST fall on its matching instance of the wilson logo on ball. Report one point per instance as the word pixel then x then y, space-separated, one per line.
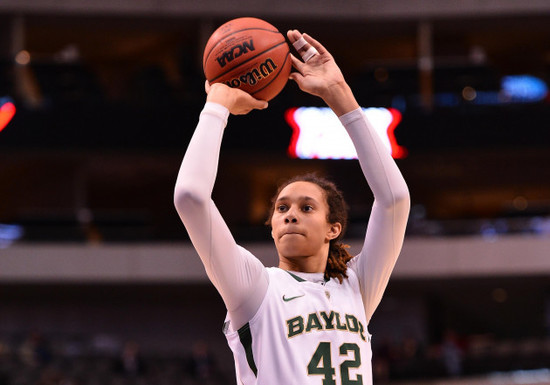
pixel 250 54
pixel 251 77
pixel 235 52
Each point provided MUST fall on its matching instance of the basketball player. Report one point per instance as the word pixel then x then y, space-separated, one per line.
pixel 304 322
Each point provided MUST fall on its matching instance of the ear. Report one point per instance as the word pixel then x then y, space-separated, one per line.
pixel 334 230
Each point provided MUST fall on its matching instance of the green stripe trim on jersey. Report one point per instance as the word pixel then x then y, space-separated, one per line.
pixel 246 340
pixel 299 279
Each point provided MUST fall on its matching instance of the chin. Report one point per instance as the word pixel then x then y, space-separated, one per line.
pixel 288 251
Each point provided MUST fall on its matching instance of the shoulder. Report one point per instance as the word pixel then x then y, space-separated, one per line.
pixel 352 268
pixel 352 280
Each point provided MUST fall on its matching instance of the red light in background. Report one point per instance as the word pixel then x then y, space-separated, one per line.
pixel 289 117
pixel 318 134
pixel 397 151
pixel 7 111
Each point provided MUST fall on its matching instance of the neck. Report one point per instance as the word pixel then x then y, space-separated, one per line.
pixel 311 264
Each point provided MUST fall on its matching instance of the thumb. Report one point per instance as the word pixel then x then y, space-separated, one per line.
pixel 297 77
pixel 261 104
pixel 257 104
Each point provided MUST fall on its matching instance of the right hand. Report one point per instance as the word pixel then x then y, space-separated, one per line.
pixel 321 73
pixel 237 101
pixel 321 76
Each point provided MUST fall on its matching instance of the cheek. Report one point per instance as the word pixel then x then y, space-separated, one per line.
pixel 274 223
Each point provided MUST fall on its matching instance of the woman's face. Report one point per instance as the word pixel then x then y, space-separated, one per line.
pixel 299 222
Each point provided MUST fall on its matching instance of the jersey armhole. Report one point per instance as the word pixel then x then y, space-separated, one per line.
pixel 228 328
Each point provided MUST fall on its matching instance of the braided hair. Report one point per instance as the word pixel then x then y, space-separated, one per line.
pixel 338 255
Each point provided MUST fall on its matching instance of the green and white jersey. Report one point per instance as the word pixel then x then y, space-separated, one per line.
pixel 291 331
pixel 304 333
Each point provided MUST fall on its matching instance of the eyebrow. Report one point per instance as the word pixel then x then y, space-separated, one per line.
pixel 304 198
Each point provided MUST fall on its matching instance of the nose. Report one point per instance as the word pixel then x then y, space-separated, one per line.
pixel 291 217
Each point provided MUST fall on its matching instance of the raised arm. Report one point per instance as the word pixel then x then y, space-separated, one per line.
pixel 239 277
pixel 386 229
pixel 390 211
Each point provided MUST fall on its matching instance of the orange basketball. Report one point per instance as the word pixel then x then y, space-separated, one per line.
pixel 250 54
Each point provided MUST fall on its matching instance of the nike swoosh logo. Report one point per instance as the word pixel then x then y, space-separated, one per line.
pixel 291 298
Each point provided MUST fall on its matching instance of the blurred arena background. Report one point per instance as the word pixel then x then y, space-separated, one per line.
pixel 98 281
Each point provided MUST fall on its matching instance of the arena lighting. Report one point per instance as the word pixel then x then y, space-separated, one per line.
pixel 514 89
pixel 524 88
pixel 318 134
pixel 9 234
pixel 7 111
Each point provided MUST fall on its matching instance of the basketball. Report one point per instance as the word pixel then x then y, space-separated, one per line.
pixel 250 54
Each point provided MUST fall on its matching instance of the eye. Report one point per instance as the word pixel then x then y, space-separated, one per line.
pixel 307 208
pixel 281 208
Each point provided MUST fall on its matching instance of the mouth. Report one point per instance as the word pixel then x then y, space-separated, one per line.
pixel 290 233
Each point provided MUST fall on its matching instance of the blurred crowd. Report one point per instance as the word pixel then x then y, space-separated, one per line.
pixel 457 356
pixel 41 360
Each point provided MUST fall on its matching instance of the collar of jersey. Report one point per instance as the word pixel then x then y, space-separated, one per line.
pixel 300 279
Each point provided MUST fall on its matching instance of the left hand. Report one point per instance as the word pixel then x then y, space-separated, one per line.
pixel 235 100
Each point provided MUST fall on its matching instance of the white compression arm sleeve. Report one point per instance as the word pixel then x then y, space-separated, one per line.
pixel 389 215
pixel 239 277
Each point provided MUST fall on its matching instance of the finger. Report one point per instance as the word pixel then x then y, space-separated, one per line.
pixel 296 63
pixel 318 46
pixel 309 54
pixel 293 35
pixel 297 77
pixel 207 86
pixel 253 106
pixel 260 104
pixel 298 42
pixel 302 46
pixel 257 104
pixel 305 49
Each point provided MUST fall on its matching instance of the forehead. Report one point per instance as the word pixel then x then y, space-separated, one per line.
pixel 302 189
